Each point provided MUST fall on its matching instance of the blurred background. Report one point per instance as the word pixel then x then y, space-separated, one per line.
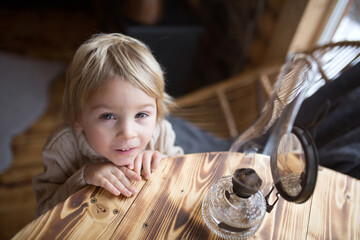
pixel 197 42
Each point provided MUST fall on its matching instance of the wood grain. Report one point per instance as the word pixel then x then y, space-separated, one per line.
pixel 168 206
pixel 172 209
pixel 335 212
pixel 91 211
pixel 156 207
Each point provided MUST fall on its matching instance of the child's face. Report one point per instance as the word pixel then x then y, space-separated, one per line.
pixel 118 121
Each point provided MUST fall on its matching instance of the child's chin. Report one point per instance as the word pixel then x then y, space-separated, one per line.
pixel 120 162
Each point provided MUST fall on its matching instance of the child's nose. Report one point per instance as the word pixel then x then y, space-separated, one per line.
pixel 125 130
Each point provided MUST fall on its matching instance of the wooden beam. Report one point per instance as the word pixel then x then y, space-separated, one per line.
pixel 289 19
pixel 312 24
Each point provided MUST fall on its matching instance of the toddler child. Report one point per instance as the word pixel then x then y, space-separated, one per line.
pixel 115 132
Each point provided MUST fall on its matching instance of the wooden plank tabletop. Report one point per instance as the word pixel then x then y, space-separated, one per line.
pixel 168 206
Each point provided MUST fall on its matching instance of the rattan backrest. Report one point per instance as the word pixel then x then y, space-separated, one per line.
pixel 229 107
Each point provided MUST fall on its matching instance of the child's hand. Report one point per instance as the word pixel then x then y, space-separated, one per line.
pixel 148 161
pixel 114 179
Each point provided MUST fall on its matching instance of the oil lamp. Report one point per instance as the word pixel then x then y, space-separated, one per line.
pixel 272 153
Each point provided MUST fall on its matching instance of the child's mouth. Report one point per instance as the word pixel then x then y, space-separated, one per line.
pixel 124 150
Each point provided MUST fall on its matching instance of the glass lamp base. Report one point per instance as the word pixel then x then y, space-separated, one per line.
pixel 213 223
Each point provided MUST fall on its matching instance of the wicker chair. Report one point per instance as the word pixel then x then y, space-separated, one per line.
pixel 229 107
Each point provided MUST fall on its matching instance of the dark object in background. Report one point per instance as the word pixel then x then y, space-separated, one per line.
pixel 229 30
pixel 172 33
pixel 197 42
pixel 332 116
pixel 175 48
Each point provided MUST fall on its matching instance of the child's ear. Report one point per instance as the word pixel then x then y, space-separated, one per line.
pixel 77 126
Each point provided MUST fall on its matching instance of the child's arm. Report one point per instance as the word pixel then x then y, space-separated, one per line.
pixel 63 170
pixel 64 166
pixel 60 179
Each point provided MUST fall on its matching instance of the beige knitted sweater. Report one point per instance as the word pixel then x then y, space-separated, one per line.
pixel 67 153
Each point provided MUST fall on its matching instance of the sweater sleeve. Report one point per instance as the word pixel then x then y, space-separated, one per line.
pixel 63 172
pixel 164 140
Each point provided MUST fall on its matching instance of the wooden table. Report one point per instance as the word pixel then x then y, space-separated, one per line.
pixel 168 206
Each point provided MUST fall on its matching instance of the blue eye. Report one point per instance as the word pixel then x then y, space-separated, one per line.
pixel 141 115
pixel 107 116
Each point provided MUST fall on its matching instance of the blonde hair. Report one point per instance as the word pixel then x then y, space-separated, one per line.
pixel 104 57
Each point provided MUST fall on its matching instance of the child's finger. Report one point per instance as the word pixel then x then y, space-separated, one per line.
pixel 138 163
pixel 130 166
pixel 146 160
pixel 106 184
pixel 132 175
pixel 122 183
pixel 156 160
